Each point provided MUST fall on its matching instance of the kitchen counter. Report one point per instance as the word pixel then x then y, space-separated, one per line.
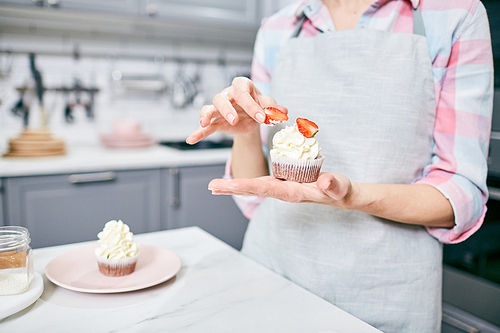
pixel 97 158
pixel 217 290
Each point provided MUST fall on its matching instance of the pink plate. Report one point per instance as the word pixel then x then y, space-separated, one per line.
pixel 77 270
pixel 126 138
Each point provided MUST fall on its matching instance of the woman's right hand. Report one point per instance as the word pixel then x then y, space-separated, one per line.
pixel 238 109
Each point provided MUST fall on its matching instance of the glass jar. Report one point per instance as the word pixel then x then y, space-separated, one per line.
pixel 16 260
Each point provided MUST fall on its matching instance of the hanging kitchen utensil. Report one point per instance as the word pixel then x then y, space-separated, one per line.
pixel 89 106
pixel 145 86
pixel 68 115
pixel 37 76
pixel 18 107
pixel 21 108
pixel 183 89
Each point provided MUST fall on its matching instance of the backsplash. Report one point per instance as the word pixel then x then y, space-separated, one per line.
pixel 144 88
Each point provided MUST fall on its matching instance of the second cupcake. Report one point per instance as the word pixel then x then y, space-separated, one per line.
pixel 117 254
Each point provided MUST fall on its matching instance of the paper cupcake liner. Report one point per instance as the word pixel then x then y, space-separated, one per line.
pixel 296 170
pixel 116 271
pixel 117 267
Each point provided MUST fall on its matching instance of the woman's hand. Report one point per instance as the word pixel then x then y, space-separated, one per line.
pixel 412 204
pixel 330 189
pixel 238 109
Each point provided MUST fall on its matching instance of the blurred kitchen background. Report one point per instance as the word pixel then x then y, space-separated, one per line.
pixel 100 61
pixel 157 62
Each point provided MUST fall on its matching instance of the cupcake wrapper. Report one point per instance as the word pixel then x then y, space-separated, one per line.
pixel 117 267
pixel 116 271
pixel 292 169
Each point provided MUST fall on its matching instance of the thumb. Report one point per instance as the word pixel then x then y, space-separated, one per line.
pixel 334 185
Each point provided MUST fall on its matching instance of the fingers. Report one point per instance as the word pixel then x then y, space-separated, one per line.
pixel 330 189
pixel 241 96
pixel 268 101
pixel 206 115
pixel 257 186
pixel 200 134
pixel 335 186
pixel 245 95
pixel 222 103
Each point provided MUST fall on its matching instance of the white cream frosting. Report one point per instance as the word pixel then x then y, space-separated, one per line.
pixel 289 142
pixel 116 241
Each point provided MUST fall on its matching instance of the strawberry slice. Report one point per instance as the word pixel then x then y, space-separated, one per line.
pixel 307 127
pixel 275 114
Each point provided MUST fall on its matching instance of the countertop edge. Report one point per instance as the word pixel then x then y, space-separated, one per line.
pixel 95 159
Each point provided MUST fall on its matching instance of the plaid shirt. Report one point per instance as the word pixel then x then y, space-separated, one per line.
pixel 459 42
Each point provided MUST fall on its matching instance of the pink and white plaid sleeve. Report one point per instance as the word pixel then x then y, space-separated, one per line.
pixel 463 125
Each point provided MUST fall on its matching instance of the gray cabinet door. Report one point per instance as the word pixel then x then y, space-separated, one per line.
pixel 63 209
pixel 109 6
pixel 240 13
pixel 188 202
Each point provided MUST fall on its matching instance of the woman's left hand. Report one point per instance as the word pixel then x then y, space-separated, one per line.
pixel 418 204
pixel 331 189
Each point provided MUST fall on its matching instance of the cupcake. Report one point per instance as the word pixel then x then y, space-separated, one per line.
pixel 296 153
pixel 117 253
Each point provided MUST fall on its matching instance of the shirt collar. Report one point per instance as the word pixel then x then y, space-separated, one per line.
pixel 414 3
pixel 311 7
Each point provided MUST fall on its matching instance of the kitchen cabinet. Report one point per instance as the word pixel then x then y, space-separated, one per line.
pixel 241 12
pixel 66 208
pixel 30 3
pixel 212 23
pixel 188 202
pixel 59 209
pixel 228 12
pixel 455 320
pixel 110 6
pixel 470 303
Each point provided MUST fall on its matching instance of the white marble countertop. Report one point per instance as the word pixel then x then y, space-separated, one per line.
pixel 97 158
pixel 217 290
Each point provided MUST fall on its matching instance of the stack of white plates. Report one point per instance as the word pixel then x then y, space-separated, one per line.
pixel 126 134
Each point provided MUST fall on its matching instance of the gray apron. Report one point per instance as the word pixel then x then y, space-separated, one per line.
pixel 372 94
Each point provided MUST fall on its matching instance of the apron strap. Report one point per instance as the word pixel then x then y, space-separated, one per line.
pixel 418 23
pixel 298 27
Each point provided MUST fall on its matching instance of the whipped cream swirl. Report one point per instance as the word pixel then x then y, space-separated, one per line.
pixel 289 142
pixel 116 241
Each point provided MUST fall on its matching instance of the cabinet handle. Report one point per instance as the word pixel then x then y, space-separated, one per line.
pixel 175 177
pixel 92 177
pixel 450 320
pixel 494 193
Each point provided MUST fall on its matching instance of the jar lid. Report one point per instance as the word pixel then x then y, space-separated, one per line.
pixel 11 237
